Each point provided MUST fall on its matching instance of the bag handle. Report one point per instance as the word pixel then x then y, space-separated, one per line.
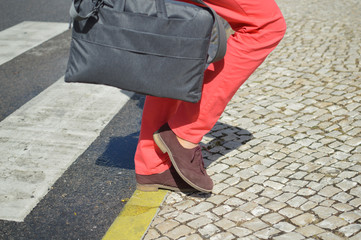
pixel 222 38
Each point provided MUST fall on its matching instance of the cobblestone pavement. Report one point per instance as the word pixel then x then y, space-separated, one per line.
pixel 285 155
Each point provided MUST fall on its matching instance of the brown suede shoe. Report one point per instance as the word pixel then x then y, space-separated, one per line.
pixel 168 179
pixel 187 162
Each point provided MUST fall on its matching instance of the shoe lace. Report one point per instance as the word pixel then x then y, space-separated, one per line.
pixel 199 158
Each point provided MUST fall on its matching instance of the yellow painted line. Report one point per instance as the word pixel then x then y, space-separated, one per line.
pixel 133 221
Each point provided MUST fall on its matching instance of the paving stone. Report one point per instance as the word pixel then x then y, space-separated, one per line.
pixel 240 231
pixel 266 233
pixel 261 200
pixel 218 188
pixel 255 224
pixel 317 198
pixel 192 237
pixel 238 216
pixel 342 197
pixel 303 219
pixel 217 199
pixel 275 205
pixel 223 236
pixel 256 188
pixel 219 177
pixel 271 193
pixel 258 211
pixel 225 224
pixel 167 225
pixel 355 202
pixel 291 189
pixel 356 191
pixel 345 185
pixel 180 231
pixel 221 210
pixel 185 217
pixel 163 238
pixel 184 204
pixel 284 226
pixel 308 205
pixel 310 230
pixel 314 176
pixel 209 230
pixel 244 184
pixel 232 181
pixel 173 198
pixel 210 215
pixel 329 236
pixel 272 218
pixel 151 234
pixel 157 220
pixel 332 223
pixel 247 196
pixel 234 202
pixel 350 217
pixel 201 207
pixel 290 212
pixel 296 201
pixel 288 236
pixel 305 192
pixel 350 230
pixel 342 207
pixel 248 206
pixel 274 185
pixel 170 215
pixel 356 237
pixel 199 222
pixel 285 197
pixel 231 191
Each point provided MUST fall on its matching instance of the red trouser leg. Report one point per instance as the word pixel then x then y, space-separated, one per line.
pixel 259 26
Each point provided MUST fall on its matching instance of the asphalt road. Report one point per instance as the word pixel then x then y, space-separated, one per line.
pixel 84 202
pixel 16 11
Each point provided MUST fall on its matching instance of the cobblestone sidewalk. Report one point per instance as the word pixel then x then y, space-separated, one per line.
pixel 285 155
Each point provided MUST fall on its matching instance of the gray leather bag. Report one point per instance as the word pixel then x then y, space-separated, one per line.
pixel 152 47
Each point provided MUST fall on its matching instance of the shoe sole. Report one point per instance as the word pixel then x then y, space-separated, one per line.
pixel 156 187
pixel 164 148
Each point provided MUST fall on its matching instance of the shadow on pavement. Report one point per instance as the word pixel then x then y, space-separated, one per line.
pixel 120 152
pixel 221 140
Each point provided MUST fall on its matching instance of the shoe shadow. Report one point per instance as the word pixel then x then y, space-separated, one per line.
pixel 221 140
pixel 121 136
pixel 119 152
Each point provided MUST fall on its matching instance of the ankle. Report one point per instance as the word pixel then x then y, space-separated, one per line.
pixel 186 144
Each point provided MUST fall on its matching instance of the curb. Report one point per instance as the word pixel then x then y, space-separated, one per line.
pixel 136 216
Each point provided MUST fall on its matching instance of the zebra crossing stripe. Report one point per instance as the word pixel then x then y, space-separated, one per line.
pixel 40 140
pixel 26 35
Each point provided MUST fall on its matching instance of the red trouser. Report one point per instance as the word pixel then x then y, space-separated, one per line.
pixel 259 26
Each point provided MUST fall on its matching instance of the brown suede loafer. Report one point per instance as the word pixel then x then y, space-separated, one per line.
pixel 168 179
pixel 187 162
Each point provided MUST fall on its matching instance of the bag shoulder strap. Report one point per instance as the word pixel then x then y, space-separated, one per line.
pixel 221 33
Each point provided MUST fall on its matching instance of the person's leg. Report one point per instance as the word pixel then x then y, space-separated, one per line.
pixel 259 26
pixel 148 158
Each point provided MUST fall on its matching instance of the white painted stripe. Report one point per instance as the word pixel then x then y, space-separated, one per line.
pixel 26 35
pixel 40 140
